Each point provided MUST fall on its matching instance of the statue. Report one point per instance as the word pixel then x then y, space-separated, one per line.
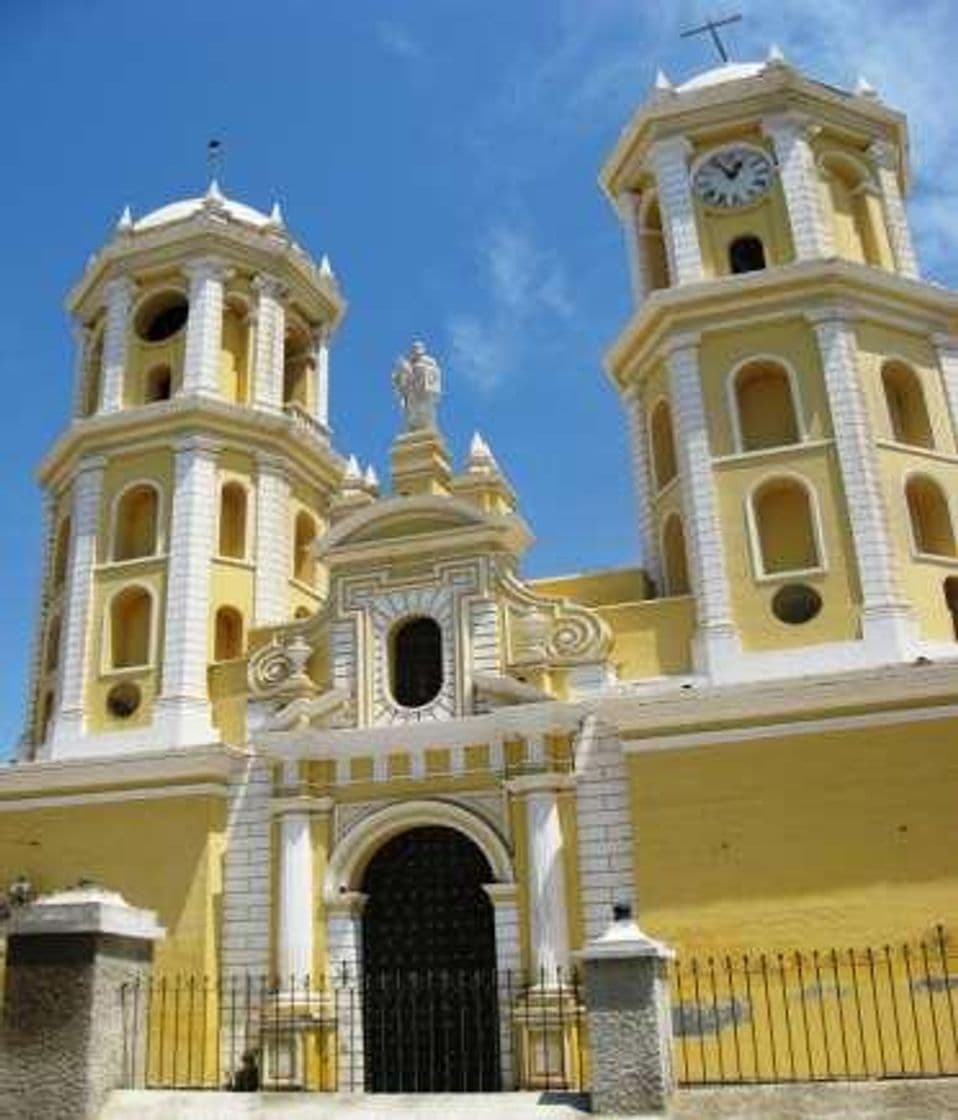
pixel 418 381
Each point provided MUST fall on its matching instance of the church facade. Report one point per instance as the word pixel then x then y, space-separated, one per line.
pixel 315 725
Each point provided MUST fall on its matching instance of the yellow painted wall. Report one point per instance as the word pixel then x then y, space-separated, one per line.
pixel 834 838
pixel 652 638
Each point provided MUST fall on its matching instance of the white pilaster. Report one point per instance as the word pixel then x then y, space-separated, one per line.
pixel 204 327
pixel 273 549
pixel 75 632
pixel 716 637
pixel 344 949
pixel 81 355
pixel 321 376
pixel 41 618
pixel 183 707
pixel 270 344
pixel 669 160
pixel 119 296
pixel 294 943
pixel 627 205
pixel 247 873
pixel 885 158
pixel 811 233
pixel 504 898
pixel 886 618
pixel 642 482
pixel 947 347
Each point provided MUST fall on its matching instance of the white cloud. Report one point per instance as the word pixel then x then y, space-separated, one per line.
pixel 397 41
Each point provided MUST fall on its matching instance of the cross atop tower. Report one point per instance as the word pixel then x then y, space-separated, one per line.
pixel 711 26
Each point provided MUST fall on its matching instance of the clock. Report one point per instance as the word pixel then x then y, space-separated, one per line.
pixel 732 177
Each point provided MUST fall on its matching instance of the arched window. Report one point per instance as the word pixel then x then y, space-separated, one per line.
pixel 931 527
pixel 663 444
pixel 905 399
pixel 61 554
pixel 764 409
pixel 131 619
pixel 160 316
pixel 304 564
pixel 46 715
pixel 784 526
pixel 848 191
pixel 52 649
pixel 228 639
pixel 746 254
pixel 296 364
pixel 234 352
pixel 951 599
pixel 416 662
pixel 158 385
pixel 233 520
pixel 135 522
pixel 92 368
pixel 674 563
pixel 655 259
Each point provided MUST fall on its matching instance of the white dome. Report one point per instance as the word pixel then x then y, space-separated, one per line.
pixel 189 207
pixel 718 75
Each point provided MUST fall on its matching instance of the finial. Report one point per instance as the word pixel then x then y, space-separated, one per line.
pixel 276 216
pixel 352 475
pixel 325 268
pixel 481 459
pixel 417 379
pixel 775 55
pixel 864 88
pixel 663 83
pixel 214 196
pixel 371 480
pixel 125 224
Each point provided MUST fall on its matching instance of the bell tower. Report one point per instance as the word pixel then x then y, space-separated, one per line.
pixel 183 499
pixel 790 380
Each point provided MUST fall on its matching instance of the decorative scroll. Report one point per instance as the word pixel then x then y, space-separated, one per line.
pixel 546 630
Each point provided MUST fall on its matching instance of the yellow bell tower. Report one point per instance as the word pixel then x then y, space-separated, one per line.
pixel 791 381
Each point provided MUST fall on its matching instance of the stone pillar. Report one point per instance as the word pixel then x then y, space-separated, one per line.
pixel 885 158
pixel 119 296
pixel 801 184
pixel 887 623
pixel 273 545
pixel 72 1029
pixel 321 376
pixel 344 950
pixel 504 898
pixel 82 337
pixel 183 705
pixel 270 344
pixel 717 639
pixel 204 327
pixel 669 160
pixel 644 486
pixel 630 1023
pixel 947 347
pixel 75 630
pixel 627 205
pixel 295 910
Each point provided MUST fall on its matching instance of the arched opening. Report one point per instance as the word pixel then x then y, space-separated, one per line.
pixel 131 616
pixel 135 523
pixel 234 353
pixel 301 613
pixel 161 316
pixel 61 554
pixel 905 400
pixel 654 255
pixel 46 715
pixel 951 600
pixel 785 527
pixel 746 254
pixel 228 637
pixel 931 526
pixel 430 1008
pixel 296 364
pixel 158 385
pixel 304 563
pixel 675 565
pixel 92 370
pixel 232 536
pixel 764 406
pixel 663 444
pixel 52 647
pixel 852 220
pixel 415 662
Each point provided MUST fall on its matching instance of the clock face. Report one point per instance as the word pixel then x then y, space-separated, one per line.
pixel 733 177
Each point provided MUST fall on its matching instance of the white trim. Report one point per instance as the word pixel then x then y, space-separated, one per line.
pixel 731 397
pixel 755 544
pixel 159 536
pixel 900 359
pixel 107 668
pixel 916 473
pixel 923 452
pixel 227 479
pixel 785 450
pixel 106 797
pixel 660 486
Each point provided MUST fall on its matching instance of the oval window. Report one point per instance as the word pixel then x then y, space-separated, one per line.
pixel 123 699
pixel 416 662
pixel 162 316
pixel 796 603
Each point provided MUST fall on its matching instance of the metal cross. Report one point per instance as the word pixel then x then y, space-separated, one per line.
pixel 712 26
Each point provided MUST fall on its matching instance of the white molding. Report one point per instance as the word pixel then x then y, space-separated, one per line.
pixel 917 474
pixel 159 528
pixel 755 544
pixel 110 796
pixel 731 398
pixel 107 668
pixel 228 478
pixel 785 451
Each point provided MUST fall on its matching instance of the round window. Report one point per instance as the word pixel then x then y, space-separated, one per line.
pixel 162 316
pixel 123 699
pixel 416 662
pixel 796 603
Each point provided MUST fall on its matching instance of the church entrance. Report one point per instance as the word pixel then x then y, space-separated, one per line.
pixel 430 1010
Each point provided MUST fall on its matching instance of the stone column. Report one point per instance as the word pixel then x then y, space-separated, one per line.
pixel 72 1028
pixel 204 327
pixel 669 160
pixel 78 594
pixel 273 545
pixel 801 184
pixel 504 898
pixel 628 1010
pixel 717 641
pixel 295 909
pixel 885 157
pixel 627 205
pixel 29 746
pixel 81 345
pixel 321 376
pixel 183 705
pixel 947 347
pixel 887 624
pixel 344 950
pixel 644 485
pixel 119 296
pixel 270 345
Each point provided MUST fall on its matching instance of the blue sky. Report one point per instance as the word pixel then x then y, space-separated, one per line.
pixel 444 154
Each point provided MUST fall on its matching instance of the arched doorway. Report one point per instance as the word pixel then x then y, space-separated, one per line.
pixel 430 1010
